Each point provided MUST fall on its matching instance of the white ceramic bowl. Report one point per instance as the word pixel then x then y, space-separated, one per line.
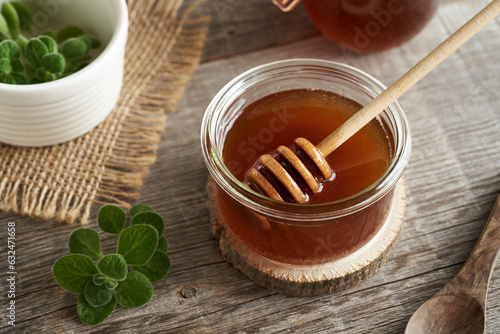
pixel 54 112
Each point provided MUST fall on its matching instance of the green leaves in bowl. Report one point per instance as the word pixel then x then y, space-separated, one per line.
pixel 126 276
pixel 26 58
pixel 11 68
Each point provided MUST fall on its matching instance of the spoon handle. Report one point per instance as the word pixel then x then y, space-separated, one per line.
pixel 473 279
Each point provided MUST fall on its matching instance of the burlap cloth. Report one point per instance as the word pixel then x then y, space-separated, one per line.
pixel 109 163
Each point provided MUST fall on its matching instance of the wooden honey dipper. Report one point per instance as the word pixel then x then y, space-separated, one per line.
pixel 271 166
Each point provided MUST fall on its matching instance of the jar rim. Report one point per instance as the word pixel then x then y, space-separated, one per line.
pixel 293 211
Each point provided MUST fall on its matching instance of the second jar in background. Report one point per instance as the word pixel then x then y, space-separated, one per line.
pixel 370 25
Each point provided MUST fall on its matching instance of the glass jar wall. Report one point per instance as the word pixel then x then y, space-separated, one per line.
pixel 289 232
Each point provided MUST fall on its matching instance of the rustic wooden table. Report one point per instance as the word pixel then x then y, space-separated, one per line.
pixel 452 182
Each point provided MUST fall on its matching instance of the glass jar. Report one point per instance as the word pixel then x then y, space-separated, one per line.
pixel 370 25
pixel 301 233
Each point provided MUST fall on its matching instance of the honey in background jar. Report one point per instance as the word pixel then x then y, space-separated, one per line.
pixel 370 25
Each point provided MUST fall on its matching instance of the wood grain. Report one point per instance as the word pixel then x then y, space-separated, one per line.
pixel 459 307
pixel 452 182
pixel 473 279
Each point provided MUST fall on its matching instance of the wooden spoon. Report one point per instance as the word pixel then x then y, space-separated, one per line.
pixel 271 175
pixel 459 307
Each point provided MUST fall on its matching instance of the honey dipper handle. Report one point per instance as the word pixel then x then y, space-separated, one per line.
pixel 417 72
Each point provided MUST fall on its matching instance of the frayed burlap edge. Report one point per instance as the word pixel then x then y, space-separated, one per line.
pixel 163 50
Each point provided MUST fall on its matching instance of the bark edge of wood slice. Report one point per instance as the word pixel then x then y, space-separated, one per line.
pixel 310 280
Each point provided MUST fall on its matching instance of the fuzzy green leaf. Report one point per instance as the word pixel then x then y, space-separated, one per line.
pixel 113 266
pixel 4 29
pixel 49 77
pixel 35 50
pixel 5 66
pixel 12 19
pixel 35 80
pixel 15 79
pixel 50 43
pixel 99 279
pixel 111 284
pixel 137 244
pixel 92 42
pixel 25 15
pixel 136 290
pixel 17 66
pixel 53 62
pixel 9 50
pixel 162 244
pixel 157 268
pixel 72 272
pixel 149 218
pixel 87 242
pixel 69 32
pixel 97 295
pixel 40 74
pixel 138 208
pixel 111 219
pixel 74 48
pixel 10 79
pixel 93 315
pixel 20 79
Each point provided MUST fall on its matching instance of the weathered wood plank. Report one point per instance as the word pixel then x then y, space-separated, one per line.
pixel 240 26
pixel 452 182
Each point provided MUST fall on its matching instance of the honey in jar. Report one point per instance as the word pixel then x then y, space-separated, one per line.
pixel 278 119
pixel 272 105
pixel 370 25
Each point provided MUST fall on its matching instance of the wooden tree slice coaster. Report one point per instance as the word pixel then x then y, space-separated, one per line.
pixel 310 280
